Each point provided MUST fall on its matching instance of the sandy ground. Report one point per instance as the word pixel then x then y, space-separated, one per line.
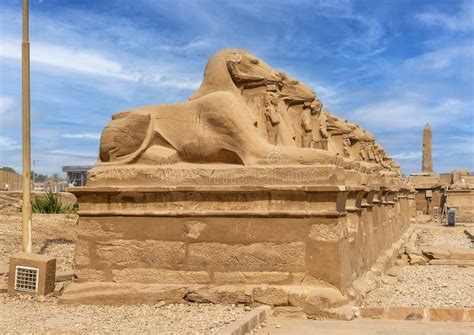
pixel 21 315
pixel 429 285
pixel 53 235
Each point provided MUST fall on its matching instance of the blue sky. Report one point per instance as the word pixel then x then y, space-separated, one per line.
pixel 388 65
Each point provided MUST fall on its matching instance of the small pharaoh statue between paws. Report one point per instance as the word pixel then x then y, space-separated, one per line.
pixel 346 147
pixel 307 136
pixel 271 113
pixel 318 123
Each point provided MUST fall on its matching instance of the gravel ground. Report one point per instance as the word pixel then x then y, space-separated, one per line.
pixel 444 238
pixel 53 235
pixel 22 315
pixel 427 286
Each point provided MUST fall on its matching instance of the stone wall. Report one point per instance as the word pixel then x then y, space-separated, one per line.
pixel 463 201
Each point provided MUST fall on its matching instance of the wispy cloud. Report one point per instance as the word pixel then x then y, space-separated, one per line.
pixel 443 58
pixel 408 155
pixel 70 59
pixel 405 112
pixel 83 136
pixel 8 144
pixel 6 103
pixel 71 153
pixel 460 21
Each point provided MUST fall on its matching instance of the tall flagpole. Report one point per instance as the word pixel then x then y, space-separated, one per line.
pixel 25 80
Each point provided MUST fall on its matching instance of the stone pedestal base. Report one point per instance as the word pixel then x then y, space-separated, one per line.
pixel 261 227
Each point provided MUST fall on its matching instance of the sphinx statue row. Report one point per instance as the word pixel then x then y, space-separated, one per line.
pixel 243 113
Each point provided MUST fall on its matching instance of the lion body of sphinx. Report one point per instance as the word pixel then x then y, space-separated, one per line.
pixel 212 129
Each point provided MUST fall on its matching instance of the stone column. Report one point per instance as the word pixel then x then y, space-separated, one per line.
pixel 427 160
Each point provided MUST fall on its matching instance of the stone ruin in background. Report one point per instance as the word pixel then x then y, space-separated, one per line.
pixel 435 194
pixel 249 192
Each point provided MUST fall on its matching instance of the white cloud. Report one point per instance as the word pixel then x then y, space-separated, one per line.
pixel 93 63
pixel 461 21
pixel 442 59
pixel 8 144
pixel 71 153
pixel 71 59
pixel 6 103
pixel 409 155
pixel 83 136
pixel 405 112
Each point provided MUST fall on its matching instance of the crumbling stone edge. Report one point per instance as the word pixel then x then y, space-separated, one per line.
pixel 416 313
pixel 248 322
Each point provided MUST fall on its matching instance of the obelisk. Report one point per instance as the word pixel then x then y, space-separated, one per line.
pixel 427 160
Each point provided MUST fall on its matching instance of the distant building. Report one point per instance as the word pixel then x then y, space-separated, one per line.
pixel 77 175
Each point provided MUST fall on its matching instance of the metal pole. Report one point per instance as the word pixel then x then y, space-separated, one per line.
pixel 25 80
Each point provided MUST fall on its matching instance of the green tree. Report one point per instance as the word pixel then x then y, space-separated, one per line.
pixel 8 169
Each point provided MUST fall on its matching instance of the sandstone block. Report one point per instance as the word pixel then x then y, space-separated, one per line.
pixel 160 276
pixel 227 294
pixel 435 253
pixel 289 312
pixel 417 260
pixel 406 313
pixel 372 312
pixel 461 254
pixel 82 253
pixel 135 253
pixel 446 314
pixel 92 275
pixel 470 315
pixel 264 277
pixel 270 296
pixel 121 294
pixel 257 256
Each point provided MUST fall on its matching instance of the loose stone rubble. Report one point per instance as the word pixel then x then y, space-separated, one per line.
pixel 425 286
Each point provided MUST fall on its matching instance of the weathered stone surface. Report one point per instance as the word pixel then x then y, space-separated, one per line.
pixel 163 276
pixel 263 277
pixel 446 314
pixel 82 255
pixel 417 260
pixel 257 256
pixel 406 313
pixel 395 271
pixel 289 312
pixel 226 294
pixel 372 312
pixel 270 296
pixel 90 275
pixel 193 228
pixel 122 293
pixel 435 253
pixel 461 254
pixel 134 253
pixel 324 232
